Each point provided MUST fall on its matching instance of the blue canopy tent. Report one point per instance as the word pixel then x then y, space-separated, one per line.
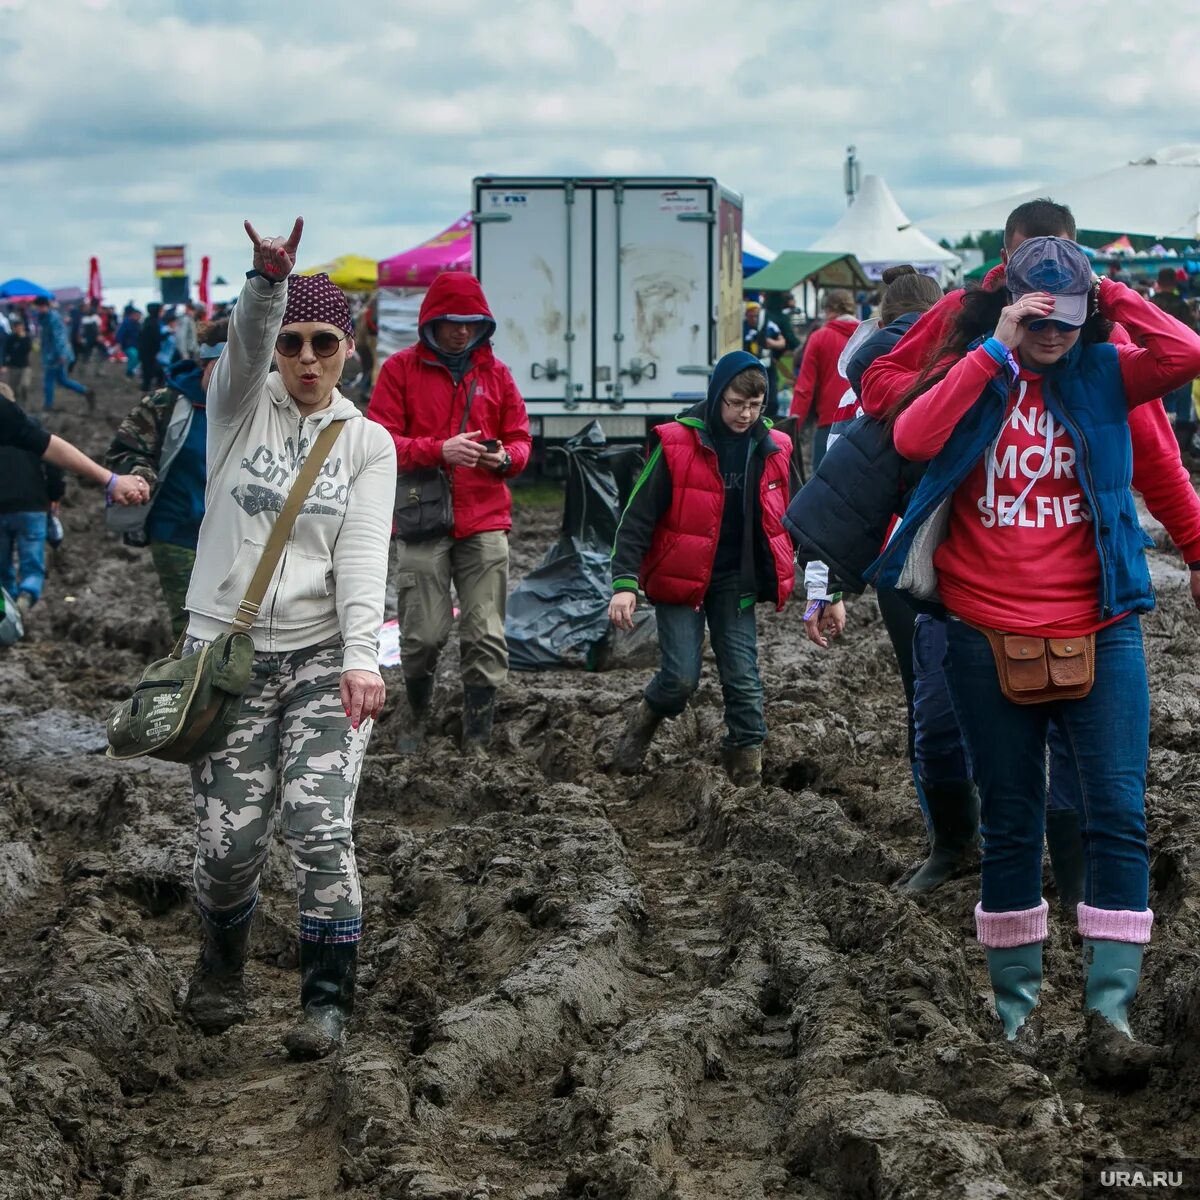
pixel 755 255
pixel 23 289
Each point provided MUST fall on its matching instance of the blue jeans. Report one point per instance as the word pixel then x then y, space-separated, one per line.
pixel 1179 404
pixel 57 374
pixel 734 638
pixel 1107 734
pixel 939 750
pixel 23 534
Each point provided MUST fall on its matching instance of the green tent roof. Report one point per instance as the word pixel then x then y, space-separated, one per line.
pixel 818 267
pixel 980 271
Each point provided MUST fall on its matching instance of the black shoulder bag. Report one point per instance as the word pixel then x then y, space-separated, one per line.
pixel 425 499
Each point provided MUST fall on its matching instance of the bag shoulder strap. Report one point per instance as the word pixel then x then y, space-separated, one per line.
pixel 467 408
pixel 247 611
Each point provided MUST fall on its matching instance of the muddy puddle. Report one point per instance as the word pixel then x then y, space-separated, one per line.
pixel 573 985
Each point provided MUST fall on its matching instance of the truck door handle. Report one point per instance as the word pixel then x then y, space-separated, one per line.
pixel 638 370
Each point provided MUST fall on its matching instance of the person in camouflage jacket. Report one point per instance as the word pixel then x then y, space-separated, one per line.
pixel 162 439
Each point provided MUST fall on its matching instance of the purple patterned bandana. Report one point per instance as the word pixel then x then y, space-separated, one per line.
pixel 317 298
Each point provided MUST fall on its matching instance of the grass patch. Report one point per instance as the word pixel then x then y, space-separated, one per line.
pixel 540 493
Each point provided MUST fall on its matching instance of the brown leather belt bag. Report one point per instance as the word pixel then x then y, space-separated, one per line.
pixel 1034 670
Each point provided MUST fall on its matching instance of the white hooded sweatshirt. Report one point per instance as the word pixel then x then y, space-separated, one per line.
pixel 332 574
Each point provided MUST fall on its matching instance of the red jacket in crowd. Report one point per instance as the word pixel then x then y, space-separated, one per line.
pixel 819 377
pixel 417 400
pixel 1158 472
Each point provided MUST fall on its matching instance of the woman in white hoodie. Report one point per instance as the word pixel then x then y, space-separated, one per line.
pixel 316 688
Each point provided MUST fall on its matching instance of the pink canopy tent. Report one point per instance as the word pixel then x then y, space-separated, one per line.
pixel 449 250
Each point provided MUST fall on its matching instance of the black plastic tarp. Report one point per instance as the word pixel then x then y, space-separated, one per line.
pixel 558 614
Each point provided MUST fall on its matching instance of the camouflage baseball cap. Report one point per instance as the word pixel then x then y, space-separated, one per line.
pixel 1055 265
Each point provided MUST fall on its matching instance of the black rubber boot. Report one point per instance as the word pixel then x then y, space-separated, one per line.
pixel 89 399
pixel 327 974
pixel 743 765
pixel 635 741
pixel 1064 840
pixel 216 995
pixel 954 815
pixel 479 706
pixel 420 697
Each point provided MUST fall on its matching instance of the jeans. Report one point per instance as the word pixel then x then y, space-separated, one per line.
pixel 1107 733
pixel 52 375
pixel 131 361
pixel 23 534
pixel 1179 404
pixel 940 751
pixel 734 636
pixel 820 444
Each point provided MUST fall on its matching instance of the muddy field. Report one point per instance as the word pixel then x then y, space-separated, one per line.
pixel 573 985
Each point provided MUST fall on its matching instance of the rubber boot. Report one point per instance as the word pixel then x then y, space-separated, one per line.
pixel 1064 840
pixel 89 399
pixel 420 697
pixel 1111 1054
pixel 635 741
pixel 1016 975
pixel 327 974
pixel 479 707
pixel 216 995
pixel 954 817
pixel 743 765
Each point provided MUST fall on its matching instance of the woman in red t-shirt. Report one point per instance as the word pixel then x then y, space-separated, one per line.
pixel 1042 540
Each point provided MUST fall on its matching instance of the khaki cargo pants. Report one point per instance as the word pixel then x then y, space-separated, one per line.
pixel 478 568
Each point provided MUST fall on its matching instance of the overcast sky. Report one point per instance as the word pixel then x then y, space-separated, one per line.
pixel 130 122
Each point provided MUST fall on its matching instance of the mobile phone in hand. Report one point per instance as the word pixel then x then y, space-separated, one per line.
pixel 491 445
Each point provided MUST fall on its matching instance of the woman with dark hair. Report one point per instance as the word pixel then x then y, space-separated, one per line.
pixel 1024 528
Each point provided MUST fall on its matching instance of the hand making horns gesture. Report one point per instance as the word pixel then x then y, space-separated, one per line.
pixel 275 257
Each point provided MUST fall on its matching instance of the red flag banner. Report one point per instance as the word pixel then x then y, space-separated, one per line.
pixel 204 296
pixel 95 287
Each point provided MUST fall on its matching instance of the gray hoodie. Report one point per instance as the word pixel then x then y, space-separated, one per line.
pixel 331 576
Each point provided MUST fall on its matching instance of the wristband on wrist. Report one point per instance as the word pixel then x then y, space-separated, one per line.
pixel 1193 566
pixel 110 487
pixel 254 273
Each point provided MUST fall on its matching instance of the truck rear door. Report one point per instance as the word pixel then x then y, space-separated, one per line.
pixel 533 255
pixel 655 311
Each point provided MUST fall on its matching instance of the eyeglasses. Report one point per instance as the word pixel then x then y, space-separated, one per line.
pixel 753 407
pixel 324 343
pixel 1048 323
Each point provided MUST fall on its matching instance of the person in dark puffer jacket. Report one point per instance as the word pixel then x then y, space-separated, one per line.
pixel 703 537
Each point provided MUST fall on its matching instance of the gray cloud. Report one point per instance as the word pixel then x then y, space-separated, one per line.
pixel 134 121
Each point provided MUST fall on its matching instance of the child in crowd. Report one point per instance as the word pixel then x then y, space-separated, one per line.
pixel 703 537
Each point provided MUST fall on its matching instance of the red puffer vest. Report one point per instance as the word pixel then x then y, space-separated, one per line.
pixel 678 566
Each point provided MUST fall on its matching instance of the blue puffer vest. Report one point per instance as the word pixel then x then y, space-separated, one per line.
pixel 1084 393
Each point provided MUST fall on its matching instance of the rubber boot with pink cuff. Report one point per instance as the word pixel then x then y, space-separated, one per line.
pixel 1012 942
pixel 1113 945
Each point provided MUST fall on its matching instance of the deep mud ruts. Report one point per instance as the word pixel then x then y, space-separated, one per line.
pixel 573 985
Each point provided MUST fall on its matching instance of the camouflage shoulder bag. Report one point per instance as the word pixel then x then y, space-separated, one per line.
pixel 184 706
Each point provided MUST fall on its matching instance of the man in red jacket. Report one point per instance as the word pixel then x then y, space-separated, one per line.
pixel 819 379
pixel 449 403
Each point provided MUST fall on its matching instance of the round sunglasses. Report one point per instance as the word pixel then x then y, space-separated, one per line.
pixel 1047 323
pixel 324 343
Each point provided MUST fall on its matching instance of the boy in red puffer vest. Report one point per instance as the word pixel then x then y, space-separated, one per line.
pixel 703 537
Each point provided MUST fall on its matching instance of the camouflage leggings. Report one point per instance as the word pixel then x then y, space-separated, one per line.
pixel 293 744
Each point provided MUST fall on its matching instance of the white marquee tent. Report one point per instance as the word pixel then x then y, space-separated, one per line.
pixel 875 230
pixel 1156 196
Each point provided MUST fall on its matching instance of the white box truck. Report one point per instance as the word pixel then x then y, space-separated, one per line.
pixel 613 297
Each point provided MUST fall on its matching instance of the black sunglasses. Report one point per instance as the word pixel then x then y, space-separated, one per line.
pixel 325 343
